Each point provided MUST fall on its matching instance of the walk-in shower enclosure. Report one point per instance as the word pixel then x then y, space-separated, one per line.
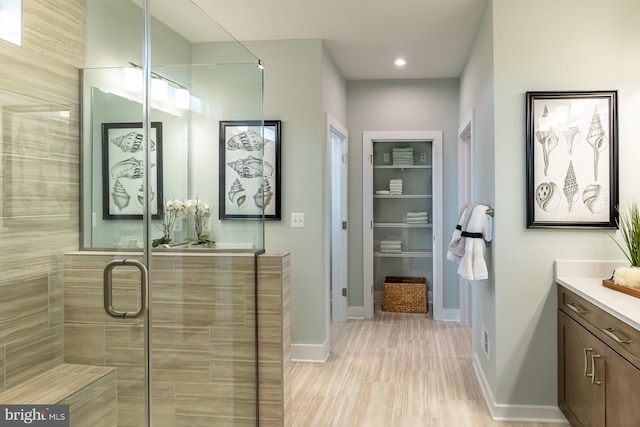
pixel 160 77
pixel 110 109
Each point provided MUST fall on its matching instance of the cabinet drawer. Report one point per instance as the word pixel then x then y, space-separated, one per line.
pixel 617 334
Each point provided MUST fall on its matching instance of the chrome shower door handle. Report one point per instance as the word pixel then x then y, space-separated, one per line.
pixel 108 289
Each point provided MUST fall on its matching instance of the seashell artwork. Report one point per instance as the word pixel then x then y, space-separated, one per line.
pixel 141 195
pixel 237 193
pixel 597 139
pixel 594 198
pixel 131 142
pixel 572 136
pixel 251 167
pixel 263 196
pixel 119 195
pixel 548 196
pixel 129 168
pixel 547 137
pixel 549 141
pixel 570 186
pixel 247 141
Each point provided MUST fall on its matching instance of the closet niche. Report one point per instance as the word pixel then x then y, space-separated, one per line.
pixel 402 207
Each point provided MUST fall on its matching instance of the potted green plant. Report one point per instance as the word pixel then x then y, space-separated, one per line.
pixel 629 225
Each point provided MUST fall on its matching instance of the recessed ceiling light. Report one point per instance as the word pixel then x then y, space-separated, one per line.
pixel 400 62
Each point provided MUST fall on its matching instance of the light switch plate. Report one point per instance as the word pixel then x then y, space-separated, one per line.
pixel 297 220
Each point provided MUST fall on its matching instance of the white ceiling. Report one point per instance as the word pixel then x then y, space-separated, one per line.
pixel 363 36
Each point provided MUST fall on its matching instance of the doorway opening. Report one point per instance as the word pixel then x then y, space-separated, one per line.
pixel 465 195
pixel 338 143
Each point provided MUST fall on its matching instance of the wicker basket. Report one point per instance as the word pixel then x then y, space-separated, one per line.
pixel 404 294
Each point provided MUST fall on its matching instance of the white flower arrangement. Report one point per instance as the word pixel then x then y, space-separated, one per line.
pixel 172 209
pixel 200 213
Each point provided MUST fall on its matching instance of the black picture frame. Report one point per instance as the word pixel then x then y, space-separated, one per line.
pixel 243 185
pixel 572 159
pixel 122 169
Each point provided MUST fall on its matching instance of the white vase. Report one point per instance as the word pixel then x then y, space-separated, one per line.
pixel 627 276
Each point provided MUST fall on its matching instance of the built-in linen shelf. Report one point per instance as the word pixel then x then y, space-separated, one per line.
pixel 402 225
pixel 402 196
pixel 402 167
pixel 407 254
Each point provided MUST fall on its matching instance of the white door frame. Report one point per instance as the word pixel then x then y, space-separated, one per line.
pixel 338 176
pixel 367 212
pixel 465 195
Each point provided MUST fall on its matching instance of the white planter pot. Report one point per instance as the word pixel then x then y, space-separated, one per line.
pixel 627 276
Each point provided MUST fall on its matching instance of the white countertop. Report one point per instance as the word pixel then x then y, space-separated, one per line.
pixel 585 279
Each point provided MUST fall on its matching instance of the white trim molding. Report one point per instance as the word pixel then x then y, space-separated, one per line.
pixel 450 315
pixel 355 312
pixel 313 353
pixel 515 413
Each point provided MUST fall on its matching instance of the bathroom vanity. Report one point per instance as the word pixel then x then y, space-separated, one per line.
pixel 598 349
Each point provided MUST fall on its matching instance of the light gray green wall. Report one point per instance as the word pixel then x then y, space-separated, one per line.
pixel 476 98
pixel 334 88
pixel 385 105
pixel 114 36
pixel 294 95
pixel 581 45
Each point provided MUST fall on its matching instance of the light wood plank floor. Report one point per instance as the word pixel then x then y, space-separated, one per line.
pixel 395 370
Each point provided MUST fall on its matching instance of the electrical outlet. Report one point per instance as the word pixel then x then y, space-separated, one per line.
pixel 485 341
pixel 297 220
pixel 423 157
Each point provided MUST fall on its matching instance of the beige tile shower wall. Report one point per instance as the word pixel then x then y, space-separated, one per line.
pixel 203 337
pixel 39 186
pixel 30 329
pixel 53 50
pixel 274 339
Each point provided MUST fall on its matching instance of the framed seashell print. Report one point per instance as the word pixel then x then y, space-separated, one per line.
pixel 572 159
pixel 249 186
pixel 123 154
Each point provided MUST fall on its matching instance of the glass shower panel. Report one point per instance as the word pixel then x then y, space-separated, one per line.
pixel 112 161
pixel 217 93
pixel 202 349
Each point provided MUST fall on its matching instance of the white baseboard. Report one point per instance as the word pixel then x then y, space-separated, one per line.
pixel 355 312
pixel 515 413
pixel 314 353
pixel 450 315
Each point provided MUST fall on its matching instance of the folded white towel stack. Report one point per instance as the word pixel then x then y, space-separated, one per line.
pixel 402 156
pixel 391 246
pixel 395 186
pixel 417 217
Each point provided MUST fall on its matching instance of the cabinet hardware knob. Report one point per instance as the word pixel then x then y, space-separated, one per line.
pixel 586 361
pixel 574 307
pixel 593 369
pixel 611 334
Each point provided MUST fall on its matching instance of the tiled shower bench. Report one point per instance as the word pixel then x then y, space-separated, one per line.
pixel 90 392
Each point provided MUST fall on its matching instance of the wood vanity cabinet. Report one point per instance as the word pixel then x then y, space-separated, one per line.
pixel 598 365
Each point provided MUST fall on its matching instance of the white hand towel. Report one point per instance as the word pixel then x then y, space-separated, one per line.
pixel 456 245
pixel 479 230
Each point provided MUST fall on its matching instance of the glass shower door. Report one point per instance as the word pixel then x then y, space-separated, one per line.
pixel 192 360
